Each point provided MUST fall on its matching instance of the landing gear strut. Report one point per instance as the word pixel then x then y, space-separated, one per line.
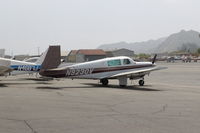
pixel 141 82
pixel 104 81
pixel 122 81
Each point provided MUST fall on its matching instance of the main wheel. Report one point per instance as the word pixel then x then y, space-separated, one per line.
pixel 104 81
pixel 141 82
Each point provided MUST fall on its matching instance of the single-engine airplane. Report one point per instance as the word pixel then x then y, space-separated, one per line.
pixel 15 67
pixel 120 68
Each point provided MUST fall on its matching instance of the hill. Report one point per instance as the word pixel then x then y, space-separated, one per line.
pixel 181 41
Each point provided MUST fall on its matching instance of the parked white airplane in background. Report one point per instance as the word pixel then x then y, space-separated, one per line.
pixel 120 68
pixel 15 67
pixel 32 60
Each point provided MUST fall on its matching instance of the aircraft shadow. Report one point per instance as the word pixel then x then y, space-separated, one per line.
pixel 135 87
pixel 14 83
pixel 49 88
pixel 60 88
pixel 3 85
pixel 92 85
pixel 38 79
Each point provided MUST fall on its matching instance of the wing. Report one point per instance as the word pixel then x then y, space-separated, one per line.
pixel 4 70
pixel 136 72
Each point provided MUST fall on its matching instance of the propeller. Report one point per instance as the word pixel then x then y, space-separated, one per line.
pixel 154 59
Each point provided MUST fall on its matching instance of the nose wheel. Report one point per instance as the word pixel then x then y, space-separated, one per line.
pixel 104 81
pixel 141 82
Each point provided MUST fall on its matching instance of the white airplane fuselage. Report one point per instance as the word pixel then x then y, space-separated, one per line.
pixel 100 69
pixel 108 68
pixel 19 67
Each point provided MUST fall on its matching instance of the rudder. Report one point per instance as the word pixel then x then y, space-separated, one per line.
pixel 52 58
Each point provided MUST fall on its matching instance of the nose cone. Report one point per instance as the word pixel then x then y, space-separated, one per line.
pixel 153 64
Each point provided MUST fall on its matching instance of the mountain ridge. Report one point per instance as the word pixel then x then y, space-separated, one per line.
pixel 183 40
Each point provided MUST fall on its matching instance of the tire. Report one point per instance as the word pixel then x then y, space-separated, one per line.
pixel 141 82
pixel 104 81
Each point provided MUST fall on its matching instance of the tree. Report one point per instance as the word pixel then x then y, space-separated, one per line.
pixel 144 56
pixel 198 50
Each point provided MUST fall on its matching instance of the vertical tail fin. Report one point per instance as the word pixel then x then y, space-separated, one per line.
pixel 52 58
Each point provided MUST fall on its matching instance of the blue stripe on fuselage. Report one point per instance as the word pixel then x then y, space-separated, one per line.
pixel 26 67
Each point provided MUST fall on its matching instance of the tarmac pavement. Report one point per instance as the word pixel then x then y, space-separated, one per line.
pixel 169 102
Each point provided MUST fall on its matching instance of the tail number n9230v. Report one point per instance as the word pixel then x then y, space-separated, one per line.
pixel 77 72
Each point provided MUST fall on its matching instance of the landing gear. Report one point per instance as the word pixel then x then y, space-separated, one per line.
pixel 104 81
pixel 141 82
pixel 122 81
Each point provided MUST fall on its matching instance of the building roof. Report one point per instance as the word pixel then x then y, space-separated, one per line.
pixel 91 52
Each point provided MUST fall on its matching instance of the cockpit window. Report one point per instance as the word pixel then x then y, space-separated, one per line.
pixel 114 63
pixel 126 62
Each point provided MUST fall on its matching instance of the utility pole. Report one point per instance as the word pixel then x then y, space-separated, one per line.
pixel 38 48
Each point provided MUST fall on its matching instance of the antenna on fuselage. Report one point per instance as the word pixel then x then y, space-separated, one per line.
pixel 154 59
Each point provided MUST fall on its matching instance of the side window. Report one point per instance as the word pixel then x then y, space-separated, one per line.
pixel 126 62
pixel 114 63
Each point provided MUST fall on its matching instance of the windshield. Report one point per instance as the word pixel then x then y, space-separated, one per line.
pixel 114 62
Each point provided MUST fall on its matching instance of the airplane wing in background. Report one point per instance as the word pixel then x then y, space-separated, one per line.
pixel 136 72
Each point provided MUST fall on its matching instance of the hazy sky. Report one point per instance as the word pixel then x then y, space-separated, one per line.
pixel 74 24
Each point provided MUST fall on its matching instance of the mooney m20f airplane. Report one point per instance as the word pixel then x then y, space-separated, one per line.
pixel 15 67
pixel 120 68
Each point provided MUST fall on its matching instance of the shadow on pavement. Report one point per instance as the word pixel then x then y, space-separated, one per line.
pixel 64 87
pixel 93 85
pixel 49 88
pixel 3 85
pixel 38 79
pixel 139 88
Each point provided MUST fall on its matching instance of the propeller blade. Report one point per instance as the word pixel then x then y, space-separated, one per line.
pixel 154 59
